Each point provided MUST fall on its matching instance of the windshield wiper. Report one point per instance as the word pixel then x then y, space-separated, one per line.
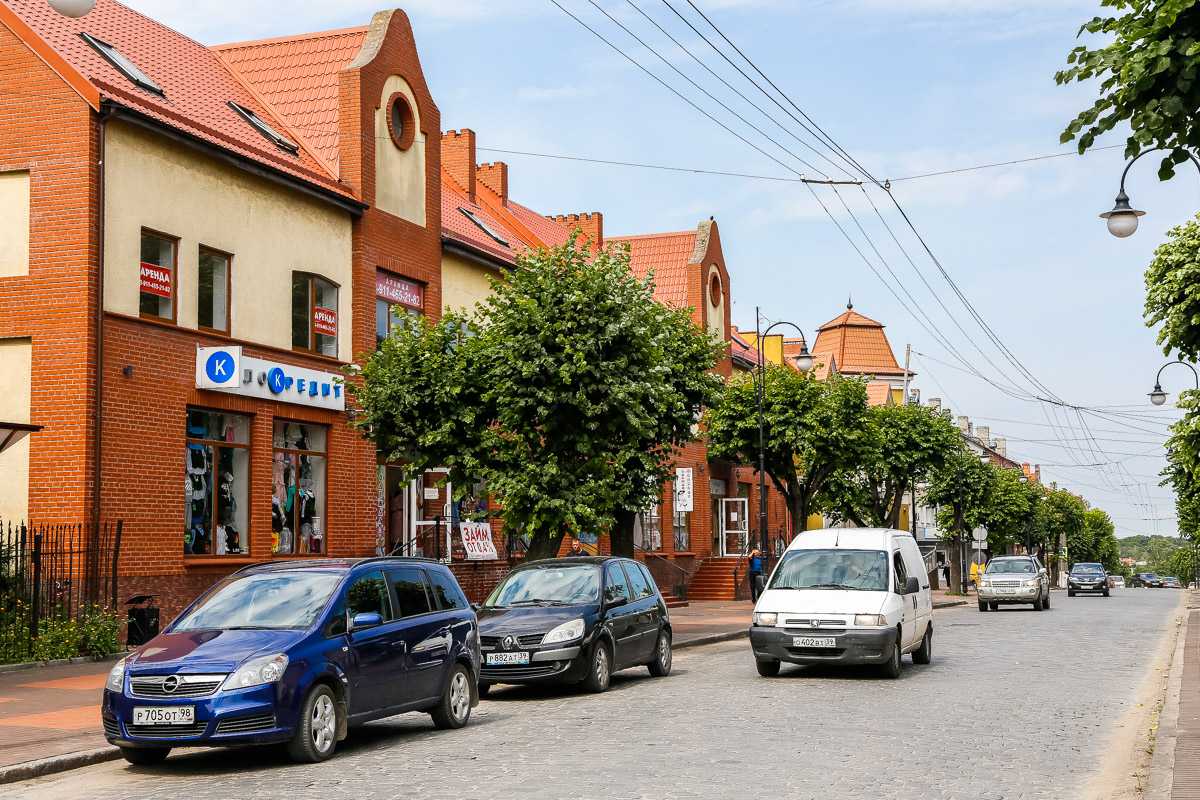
pixel 834 586
pixel 540 602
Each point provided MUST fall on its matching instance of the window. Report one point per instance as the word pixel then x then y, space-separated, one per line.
pixel 901 573
pixel 275 137
pixel 483 226
pixel 649 578
pixel 368 595
pixel 616 585
pixel 647 529
pixel 637 581
pixel 446 590
pixel 314 314
pixel 409 585
pixel 157 291
pixel 398 302
pixel 123 65
pixel 681 525
pixel 217 484
pixel 298 488
pixel 401 125
pixel 212 296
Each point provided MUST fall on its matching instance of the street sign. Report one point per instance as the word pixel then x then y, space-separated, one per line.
pixel 979 534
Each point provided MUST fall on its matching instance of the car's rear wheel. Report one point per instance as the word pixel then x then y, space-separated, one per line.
pixel 315 736
pixel 660 665
pixel 924 653
pixel 768 669
pixel 145 756
pixel 599 674
pixel 455 707
pixel 891 667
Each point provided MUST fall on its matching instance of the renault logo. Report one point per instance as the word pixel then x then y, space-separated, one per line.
pixel 170 684
pixel 510 642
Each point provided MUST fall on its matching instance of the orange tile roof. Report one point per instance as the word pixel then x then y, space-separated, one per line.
pixel 547 230
pixel 858 344
pixel 196 82
pixel 668 256
pixel 457 227
pixel 879 393
pixel 298 76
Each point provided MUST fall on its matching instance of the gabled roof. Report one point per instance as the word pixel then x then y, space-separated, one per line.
pixel 668 256
pixel 197 84
pixel 857 344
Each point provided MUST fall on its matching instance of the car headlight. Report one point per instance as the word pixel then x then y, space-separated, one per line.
pixel 766 619
pixel 116 677
pixel 870 620
pixel 257 672
pixel 566 632
pixel 1031 583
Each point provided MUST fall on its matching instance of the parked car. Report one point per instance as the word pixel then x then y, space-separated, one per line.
pixel 1087 577
pixel 1171 583
pixel 574 620
pixel 296 652
pixel 845 596
pixel 1014 580
pixel 1147 579
pixel 1116 582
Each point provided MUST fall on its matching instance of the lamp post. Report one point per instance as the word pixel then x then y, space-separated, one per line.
pixel 804 362
pixel 1158 396
pixel 1123 219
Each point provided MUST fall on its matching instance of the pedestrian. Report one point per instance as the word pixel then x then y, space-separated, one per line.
pixel 755 573
pixel 576 548
pixel 944 567
pixel 975 570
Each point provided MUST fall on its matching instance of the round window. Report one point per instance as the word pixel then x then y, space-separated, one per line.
pixel 714 289
pixel 401 123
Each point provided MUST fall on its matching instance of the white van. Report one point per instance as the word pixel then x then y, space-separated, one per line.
pixel 845 596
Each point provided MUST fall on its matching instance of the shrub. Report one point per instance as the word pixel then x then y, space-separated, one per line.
pixel 99 633
pixel 57 638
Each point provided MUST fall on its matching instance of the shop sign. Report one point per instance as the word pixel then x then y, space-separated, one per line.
pixel 477 541
pixel 325 321
pixel 399 291
pixel 684 489
pixel 156 280
pixel 227 369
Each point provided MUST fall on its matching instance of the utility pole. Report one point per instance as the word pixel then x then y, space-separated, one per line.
pixel 912 505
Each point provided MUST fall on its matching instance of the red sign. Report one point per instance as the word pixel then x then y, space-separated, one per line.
pixel 399 291
pixel 156 280
pixel 325 321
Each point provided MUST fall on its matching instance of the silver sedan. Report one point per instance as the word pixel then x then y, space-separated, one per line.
pixel 1014 579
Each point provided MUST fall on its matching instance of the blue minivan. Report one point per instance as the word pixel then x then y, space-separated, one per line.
pixel 298 652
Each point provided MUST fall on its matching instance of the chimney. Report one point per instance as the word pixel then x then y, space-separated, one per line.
pixel 984 434
pixel 1037 472
pixel 1001 446
pixel 495 177
pixel 935 403
pixel 946 414
pixel 458 158
pixel 592 225
pixel 964 424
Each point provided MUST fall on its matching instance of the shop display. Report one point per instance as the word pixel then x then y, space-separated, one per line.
pixel 216 482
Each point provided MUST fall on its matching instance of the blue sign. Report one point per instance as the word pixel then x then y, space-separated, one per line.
pixel 228 369
pixel 277 382
pixel 221 367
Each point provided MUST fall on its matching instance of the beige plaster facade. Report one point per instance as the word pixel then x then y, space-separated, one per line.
pixel 16 376
pixel 399 174
pixel 14 224
pixel 465 282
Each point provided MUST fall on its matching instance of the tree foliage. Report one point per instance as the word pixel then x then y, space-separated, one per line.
pixel 961 489
pixel 1009 512
pixel 1173 291
pixel 1148 70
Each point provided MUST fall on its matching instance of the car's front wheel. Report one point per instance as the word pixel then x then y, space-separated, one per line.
pixel 924 653
pixel 599 674
pixel 660 665
pixel 891 667
pixel 1046 602
pixel 316 732
pixel 983 606
pixel 485 689
pixel 145 756
pixel 768 669
pixel 455 707
pixel 1037 604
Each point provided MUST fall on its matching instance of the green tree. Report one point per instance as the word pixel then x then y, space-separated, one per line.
pixel 1148 69
pixel 906 444
pixel 1102 536
pixel 961 489
pixel 812 430
pixel 1008 514
pixel 1172 298
pixel 1061 517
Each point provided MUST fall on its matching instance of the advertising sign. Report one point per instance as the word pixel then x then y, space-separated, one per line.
pixel 399 291
pixel 684 489
pixel 227 369
pixel 156 280
pixel 325 321
pixel 477 541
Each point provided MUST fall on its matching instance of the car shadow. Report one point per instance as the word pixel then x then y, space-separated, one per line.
pixel 621 681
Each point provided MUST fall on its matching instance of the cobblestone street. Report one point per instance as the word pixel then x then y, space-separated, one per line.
pixel 1016 704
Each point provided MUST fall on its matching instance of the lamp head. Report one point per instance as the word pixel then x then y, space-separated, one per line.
pixel 804 360
pixel 1158 396
pixel 1123 219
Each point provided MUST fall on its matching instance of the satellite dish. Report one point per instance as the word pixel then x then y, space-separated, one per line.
pixel 73 8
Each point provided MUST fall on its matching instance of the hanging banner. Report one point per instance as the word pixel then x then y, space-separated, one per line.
pixel 477 541
pixel 156 280
pixel 399 291
pixel 684 489
pixel 325 321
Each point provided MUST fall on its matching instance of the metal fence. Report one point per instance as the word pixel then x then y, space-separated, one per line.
pixel 57 571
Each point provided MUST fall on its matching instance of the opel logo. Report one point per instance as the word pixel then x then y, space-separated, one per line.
pixel 510 642
pixel 170 684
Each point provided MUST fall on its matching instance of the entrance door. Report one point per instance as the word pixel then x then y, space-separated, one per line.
pixel 397 514
pixel 735 526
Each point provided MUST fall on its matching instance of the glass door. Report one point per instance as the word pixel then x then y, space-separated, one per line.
pixel 735 526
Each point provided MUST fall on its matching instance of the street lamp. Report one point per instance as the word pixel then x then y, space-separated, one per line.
pixel 804 362
pixel 73 8
pixel 1158 396
pixel 1123 219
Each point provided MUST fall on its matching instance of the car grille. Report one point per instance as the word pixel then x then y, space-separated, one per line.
pixel 166 731
pixel 498 672
pixel 1005 584
pixel 251 724
pixel 186 685
pixel 525 641
pixel 817 652
pixel 112 728
pixel 805 622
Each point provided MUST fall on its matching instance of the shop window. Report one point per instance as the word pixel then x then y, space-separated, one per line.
pixel 212 297
pixel 314 314
pixel 398 303
pixel 156 298
pixel 682 528
pixel 298 500
pixel 647 529
pixel 217 484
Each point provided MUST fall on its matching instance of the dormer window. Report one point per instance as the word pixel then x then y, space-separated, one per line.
pixel 122 64
pixel 275 137
pixel 483 226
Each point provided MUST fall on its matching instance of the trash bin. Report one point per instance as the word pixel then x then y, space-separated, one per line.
pixel 143 619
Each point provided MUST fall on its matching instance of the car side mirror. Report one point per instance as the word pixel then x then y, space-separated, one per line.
pixel 912 586
pixel 475 607
pixel 367 619
pixel 1042 571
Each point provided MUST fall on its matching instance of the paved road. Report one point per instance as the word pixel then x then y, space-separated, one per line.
pixel 1016 704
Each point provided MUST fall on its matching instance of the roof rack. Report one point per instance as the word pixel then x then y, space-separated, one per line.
pixel 122 64
pixel 275 137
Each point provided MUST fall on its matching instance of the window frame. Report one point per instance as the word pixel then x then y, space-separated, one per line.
pixel 620 571
pixel 201 250
pixel 123 64
pixel 174 240
pixel 216 445
pixel 899 568
pixel 324 493
pixel 311 278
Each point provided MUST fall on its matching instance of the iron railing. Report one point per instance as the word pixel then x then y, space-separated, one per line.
pixel 680 576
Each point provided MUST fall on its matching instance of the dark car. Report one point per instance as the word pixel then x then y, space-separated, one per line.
pixel 573 620
pixel 1171 583
pixel 297 652
pixel 1087 577
pixel 1148 579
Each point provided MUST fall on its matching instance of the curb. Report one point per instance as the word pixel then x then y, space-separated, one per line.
pixel 712 638
pixel 49 766
pixel 61 662
pixel 949 603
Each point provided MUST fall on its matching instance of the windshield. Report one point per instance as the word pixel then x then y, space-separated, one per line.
pixel 1081 569
pixel 865 570
pixel 274 600
pixel 558 585
pixel 1022 566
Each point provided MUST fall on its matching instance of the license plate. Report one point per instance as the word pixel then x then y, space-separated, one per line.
pixel 1007 591
pixel 164 715
pixel 814 641
pixel 508 658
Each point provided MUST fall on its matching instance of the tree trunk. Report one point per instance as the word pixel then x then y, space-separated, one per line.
pixel 621 536
pixel 544 544
pixel 798 506
pixel 955 566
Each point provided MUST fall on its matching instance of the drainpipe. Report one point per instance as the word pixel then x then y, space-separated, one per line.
pixel 97 449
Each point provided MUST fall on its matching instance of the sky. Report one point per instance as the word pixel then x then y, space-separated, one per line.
pixel 906 87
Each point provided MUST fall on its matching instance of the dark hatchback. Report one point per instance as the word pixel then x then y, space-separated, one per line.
pixel 573 620
pixel 297 652
pixel 1087 578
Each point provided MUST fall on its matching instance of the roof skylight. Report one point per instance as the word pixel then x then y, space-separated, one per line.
pixel 483 226
pixel 256 122
pixel 123 65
